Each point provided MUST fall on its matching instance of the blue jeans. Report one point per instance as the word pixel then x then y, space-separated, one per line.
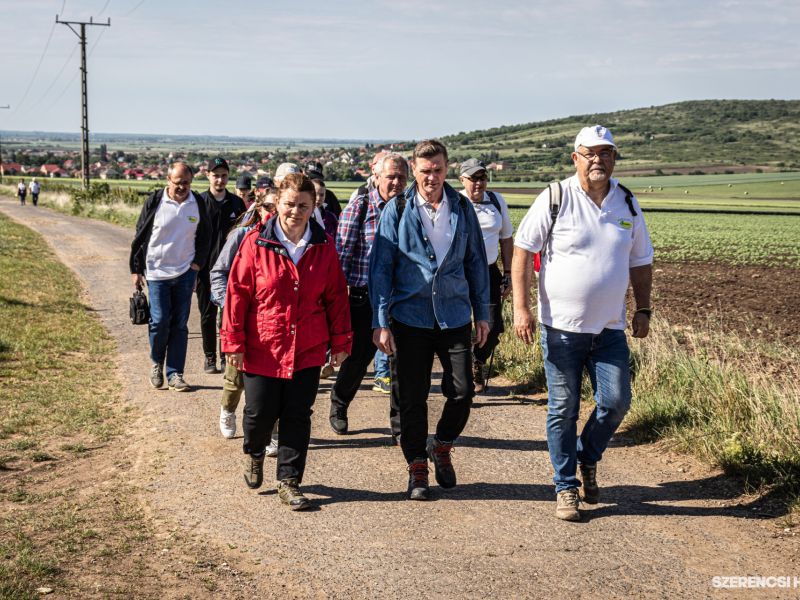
pixel 605 356
pixel 381 365
pixel 170 302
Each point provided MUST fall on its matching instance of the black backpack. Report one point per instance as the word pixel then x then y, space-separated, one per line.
pixel 140 309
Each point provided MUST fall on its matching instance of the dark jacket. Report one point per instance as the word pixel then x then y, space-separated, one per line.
pixel 222 216
pixel 332 203
pixel 144 228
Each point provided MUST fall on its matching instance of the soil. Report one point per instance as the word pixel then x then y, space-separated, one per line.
pixel 665 526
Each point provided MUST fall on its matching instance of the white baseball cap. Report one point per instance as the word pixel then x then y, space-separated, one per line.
pixel 597 135
pixel 284 169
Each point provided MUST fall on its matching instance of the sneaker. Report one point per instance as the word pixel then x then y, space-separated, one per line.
pixel 567 502
pixel 272 449
pixel 382 385
pixel 477 377
pixel 227 423
pixel 177 384
pixel 338 419
pixel 439 453
pixel 210 364
pixel 326 372
pixel 157 376
pixel 590 490
pixel 290 494
pixel 254 471
pixel 418 479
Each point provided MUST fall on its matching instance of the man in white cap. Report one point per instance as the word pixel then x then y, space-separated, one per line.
pixel 593 242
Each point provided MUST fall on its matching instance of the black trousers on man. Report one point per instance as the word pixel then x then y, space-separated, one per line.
pixel 208 313
pixel 411 367
pixel 353 369
pixel 496 326
pixel 269 399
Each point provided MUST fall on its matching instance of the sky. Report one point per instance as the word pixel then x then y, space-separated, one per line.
pixel 382 70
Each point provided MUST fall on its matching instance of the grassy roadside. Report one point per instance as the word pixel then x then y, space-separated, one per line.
pixel 69 520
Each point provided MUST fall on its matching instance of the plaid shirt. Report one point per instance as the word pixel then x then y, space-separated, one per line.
pixel 354 242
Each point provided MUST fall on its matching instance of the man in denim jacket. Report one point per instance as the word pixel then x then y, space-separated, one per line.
pixel 428 279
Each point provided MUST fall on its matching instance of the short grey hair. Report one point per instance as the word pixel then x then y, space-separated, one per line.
pixel 395 158
pixel 179 164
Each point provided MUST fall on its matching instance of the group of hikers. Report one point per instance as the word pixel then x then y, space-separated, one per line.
pixel 22 191
pixel 297 286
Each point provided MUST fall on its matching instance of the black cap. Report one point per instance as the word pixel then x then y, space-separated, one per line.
pixel 218 162
pixel 314 171
pixel 472 166
pixel 265 182
pixel 244 182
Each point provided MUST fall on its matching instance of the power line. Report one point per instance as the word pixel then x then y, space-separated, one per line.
pixel 43 95
pixel 133 10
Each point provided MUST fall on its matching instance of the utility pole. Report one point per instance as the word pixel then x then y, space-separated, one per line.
pixel 2 171
pixel 84 95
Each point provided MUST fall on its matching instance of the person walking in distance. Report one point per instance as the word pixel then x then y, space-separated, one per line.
pixel 495 222
pixel 428 280
pixel 593 242
pixel 354 239
pixel 22 192
pixel 171 244
pixel 223 208
pixel 35 189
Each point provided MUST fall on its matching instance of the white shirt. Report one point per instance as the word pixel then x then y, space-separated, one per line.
pixel 297 250
pixel 495 225
pixel 34 187
pixel 171 249
pixel 437 225
pixel 585 272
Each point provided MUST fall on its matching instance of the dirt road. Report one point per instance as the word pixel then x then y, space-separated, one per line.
pixel 665 527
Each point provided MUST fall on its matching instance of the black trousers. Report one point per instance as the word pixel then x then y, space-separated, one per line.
pixel 496 327
pixel 208 313
pixel 268 399
pixel 355 366
pixel 411 382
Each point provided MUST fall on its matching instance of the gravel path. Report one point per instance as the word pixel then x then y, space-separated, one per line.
pixel 665 527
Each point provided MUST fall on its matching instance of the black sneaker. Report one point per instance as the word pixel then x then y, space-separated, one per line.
pixel 439 453
pixel 210 364
pixel 254 471
pixel 290 495
pixel 338 419
pixel 590 489
pixel 157 376
pixel 418 479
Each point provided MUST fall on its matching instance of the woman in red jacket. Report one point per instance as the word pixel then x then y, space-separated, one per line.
pixel 286 302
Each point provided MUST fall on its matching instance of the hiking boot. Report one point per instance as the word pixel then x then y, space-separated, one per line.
pixel 177 384
pixel 567 502
pixel 254 471
pixel 338 419
pixel 210 364
pixel 290 494
pixel 327 371
pixel 591 491
pixel 418 479
pixel 477 376
pixel 439 453
pixel 382 385
pixel 157 376
pixel 227 423
pixel 272 449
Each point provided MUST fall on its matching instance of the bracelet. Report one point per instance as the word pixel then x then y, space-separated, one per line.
pixel 645 311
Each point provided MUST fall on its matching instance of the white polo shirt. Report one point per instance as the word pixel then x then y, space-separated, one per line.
pixel 171 249
pixel 495 225
pixel 437 225
pixel 297 250
pixel 585 272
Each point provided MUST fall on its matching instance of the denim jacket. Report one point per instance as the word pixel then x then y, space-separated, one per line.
pixel 404 281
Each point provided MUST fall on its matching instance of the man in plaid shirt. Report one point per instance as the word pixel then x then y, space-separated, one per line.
pixel 356 231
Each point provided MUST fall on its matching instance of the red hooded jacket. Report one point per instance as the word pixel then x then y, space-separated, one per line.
pixel 282 316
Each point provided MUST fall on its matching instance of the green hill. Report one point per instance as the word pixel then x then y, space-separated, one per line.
pixel 707 135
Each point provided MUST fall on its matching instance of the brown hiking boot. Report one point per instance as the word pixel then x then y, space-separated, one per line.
pixel 477 376
pixel 591 491
pixel 418 479
pixel 254 471
pixel 439 453
pixel 567 503
pixel 290 494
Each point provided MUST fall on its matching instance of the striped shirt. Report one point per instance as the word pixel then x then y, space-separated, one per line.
pixel 354 240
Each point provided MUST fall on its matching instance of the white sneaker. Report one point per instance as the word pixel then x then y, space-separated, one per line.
pixel 227 423
pixel 272 449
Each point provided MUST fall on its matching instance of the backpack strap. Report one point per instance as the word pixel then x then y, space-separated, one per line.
pixel 628 198
pixel 401 206
pixel 555 206
pixel 495 202
pixel 362 209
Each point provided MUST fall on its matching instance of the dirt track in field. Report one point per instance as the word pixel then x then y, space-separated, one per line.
pixel 665 526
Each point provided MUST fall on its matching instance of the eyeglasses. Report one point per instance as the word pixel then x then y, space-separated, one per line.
pixel 603 154
pixel 477 178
